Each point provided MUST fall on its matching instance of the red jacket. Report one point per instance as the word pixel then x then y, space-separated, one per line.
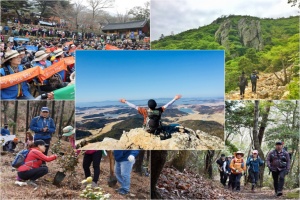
pixel 34 160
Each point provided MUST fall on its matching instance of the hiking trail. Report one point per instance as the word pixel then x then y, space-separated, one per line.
pixel 268 87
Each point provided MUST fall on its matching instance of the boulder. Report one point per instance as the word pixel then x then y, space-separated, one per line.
pixel 140 139
pixel 263 94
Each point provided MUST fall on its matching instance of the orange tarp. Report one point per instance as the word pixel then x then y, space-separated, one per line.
pixel 111 47
pixel 14 79
pixel 49 71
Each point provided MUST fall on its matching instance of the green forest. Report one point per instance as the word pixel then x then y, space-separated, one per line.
pixel 250 43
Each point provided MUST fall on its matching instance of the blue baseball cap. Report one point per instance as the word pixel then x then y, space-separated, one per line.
pixel 44 109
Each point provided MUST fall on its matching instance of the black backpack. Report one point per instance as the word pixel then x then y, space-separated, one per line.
pixel 153 120
pixel 253 78
pixel 242 81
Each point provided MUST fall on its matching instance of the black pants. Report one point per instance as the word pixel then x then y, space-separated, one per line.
pixel 33 174
pixel 229 180
pixel 253 86
pixel 236 181
pixel 278 178
pixel 254 177
pixel 223 178
pixel 242 90
pixel 87 160
pixel 47 141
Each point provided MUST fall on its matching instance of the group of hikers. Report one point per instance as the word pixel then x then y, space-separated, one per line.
pixel 243 83
pixel 34 165
pixel 234 167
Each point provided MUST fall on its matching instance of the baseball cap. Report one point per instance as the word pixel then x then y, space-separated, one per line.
pixel 44 109
pixel 278 143
pixel 40 142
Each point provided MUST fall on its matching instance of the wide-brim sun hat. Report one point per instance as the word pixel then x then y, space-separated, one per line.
pixel 40 55
pixel 10 54
pixel 68 131
pixel 58 52
pixel 239 152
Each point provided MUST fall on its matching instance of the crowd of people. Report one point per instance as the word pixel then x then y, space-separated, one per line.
pixel 38 144
pixel 232 168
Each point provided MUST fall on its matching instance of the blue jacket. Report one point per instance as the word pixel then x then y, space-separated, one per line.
pixel 12 92
pixel 37 63
pixel 254 164
pixel 4 131
pixel 122 155
pixel 38 123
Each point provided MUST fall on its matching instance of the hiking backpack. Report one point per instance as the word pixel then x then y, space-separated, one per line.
pixel 242 161
pixel 253 78
pixel 153 120
pixel 19 160
pixel 242 81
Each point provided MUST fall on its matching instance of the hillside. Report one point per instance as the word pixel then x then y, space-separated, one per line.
pixel 251 43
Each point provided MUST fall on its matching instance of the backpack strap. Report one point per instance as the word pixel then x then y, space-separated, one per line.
pixel 6 70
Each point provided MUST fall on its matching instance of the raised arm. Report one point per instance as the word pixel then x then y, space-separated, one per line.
pixel 172 101
pixel 129 104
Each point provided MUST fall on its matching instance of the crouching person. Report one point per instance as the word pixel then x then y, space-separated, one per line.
pixel 123 167
pixel 31 170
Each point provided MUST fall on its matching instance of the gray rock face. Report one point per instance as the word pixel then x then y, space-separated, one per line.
pixel 250 33
pixel 222 33
pixel 140 139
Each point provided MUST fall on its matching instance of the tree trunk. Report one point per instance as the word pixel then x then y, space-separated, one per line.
pixel 180 159
pixel 27 116
pixel 264 121
pixel 61 118
pixel 139 162
pixel 158 159
pixel 53 110
pixel 71 117
pixel 208 163
pixel 15 117
pixel 5 107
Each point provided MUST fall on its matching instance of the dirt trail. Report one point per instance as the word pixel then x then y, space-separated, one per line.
pixel 268 87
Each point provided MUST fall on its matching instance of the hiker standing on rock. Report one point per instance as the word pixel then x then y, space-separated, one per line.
pixel 243 83
pixel 220 163
pixel 152 115
pixel 254 162
pixel 253 78
pixel 278 161
pixel 238 168
pixel 43 127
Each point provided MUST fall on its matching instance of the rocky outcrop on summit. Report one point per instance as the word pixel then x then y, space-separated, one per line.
pixel 250 33
pixel 223 32
pixel 140 139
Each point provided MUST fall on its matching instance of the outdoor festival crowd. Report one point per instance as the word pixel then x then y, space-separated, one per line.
pixel 25 47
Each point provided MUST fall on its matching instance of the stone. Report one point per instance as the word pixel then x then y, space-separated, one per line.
pixel 263 94
pixel 285 95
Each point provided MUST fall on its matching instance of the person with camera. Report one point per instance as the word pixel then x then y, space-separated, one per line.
pixel 43 127
pixel 278 161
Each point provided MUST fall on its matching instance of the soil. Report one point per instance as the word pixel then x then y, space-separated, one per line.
pixel 70 188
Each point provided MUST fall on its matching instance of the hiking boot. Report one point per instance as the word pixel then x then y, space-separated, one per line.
pixel 252 188
pixel 279 193
pixel 32 183
pixel 123 192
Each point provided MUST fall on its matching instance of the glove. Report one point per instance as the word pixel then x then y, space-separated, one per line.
pixel 237 171
pixel 251 159
pixel 131 158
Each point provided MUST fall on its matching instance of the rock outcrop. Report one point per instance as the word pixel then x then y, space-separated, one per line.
pixel 250 33
pixel 247 30
pixel 140 139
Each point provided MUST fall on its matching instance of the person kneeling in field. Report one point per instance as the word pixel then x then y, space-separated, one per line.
pixel 31 170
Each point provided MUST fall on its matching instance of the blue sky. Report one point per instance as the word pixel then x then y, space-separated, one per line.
pixel 111 75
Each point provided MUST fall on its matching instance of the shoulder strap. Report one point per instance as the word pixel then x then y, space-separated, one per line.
pixel 6 70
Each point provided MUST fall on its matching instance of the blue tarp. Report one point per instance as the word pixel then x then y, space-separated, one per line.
pixel 31 48
pixel 21 39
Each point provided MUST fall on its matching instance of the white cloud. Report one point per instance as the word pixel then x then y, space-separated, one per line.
pixel 182 15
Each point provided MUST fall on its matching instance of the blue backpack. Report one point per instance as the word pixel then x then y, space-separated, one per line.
pixel 20 158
